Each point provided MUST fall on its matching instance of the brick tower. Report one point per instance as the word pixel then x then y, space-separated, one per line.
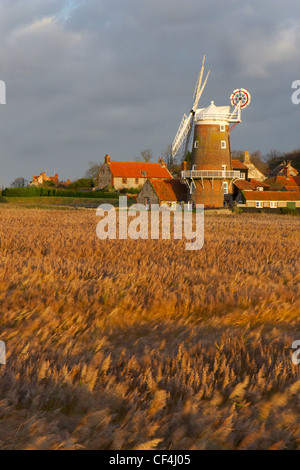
pixel 211 158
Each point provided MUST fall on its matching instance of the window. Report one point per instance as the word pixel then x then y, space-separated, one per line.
pixel 242 175
pixel 223 144
pixel 222 127
pixel 225 186
pixel 259 204
pixel 136 181
pixel 194 167
pixel 196 144
pixel 273 204
pixel 224 167
pixel 173 206
pixel 124 180
pixel 260 188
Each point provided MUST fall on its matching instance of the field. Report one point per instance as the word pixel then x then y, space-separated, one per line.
pixel 124 344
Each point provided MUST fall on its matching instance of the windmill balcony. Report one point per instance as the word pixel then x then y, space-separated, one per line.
pixel 226 174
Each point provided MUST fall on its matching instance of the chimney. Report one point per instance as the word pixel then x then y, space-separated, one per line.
pixel 107 159
pixel 183 166
pixel 247 157
pixel 161 162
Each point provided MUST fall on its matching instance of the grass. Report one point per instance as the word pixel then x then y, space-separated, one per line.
pixel 123 344
pixel 56 202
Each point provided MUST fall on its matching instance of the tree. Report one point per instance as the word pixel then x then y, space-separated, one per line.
pixel 145 155
pixel 19 182
pixel 273 158
pixel 93 171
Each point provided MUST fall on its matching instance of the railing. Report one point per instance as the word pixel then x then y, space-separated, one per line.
pixel 210 174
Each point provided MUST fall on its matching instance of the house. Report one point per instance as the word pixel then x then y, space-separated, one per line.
pixel 242 185
pixel 271 199
pixel 237 165
pixel 130 174
pixel 253 171
pixel 163 191
pixel 284 169
pixel 43 178
pixel 284 178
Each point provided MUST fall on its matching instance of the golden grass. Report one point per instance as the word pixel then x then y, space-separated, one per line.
pixel 141 344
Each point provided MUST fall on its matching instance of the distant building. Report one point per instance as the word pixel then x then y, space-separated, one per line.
pixel 163 191
pixel 284 169
pixel 130 174
pixel 43 178
pixel 253 171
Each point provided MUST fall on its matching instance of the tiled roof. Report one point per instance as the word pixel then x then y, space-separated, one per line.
pixel 292 188
pixel 250 185
pixel 238 165
pixel 258 183
pixel 243 185
pixel 271 196
pixel 169 189
pixel 135 169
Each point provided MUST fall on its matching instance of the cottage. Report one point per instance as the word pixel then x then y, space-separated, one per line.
pixel 163 191
pixel 253 171
pixel 271 199
pixel 43 178
pixel 130 174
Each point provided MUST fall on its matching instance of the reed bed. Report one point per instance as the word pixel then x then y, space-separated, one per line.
pixel 123 344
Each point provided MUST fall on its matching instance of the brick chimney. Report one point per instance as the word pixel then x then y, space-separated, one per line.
pixel 183 166
pixel 247 157
pixel 107 159
pixel 161 162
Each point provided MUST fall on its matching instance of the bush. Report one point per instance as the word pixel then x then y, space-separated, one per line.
pixel 289 211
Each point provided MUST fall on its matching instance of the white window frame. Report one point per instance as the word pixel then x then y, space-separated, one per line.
pixel 242 175
pixel 225 187
pixel 222 127
pixel 273 204
pixel 260 188
pixel 223 144
pixel 259 204
pixel 224 167
pixel 196 143
pixel 173 206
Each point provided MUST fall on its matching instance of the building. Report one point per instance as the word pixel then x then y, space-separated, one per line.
pixel 43 178
pixel 271 199
pixel 163 191
pixel 237 165
pixel 241 186
pixel 130 174
pixel 253 171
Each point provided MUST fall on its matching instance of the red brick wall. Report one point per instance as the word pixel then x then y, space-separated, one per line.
pixel 209 155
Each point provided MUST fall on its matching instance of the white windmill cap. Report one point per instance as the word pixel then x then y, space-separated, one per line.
pixel 213 112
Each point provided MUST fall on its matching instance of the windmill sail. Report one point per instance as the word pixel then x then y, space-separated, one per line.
pixel 185 129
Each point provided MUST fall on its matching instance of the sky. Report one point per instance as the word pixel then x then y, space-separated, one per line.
pixel 85 78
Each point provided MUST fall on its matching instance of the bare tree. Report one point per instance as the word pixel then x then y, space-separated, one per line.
pixel 19 182
pixel 93 171
pixel 145 155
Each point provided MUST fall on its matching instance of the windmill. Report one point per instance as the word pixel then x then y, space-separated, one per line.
pixel 186 126
pixel 210 178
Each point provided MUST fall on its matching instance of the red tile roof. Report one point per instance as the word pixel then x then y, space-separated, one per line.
pixel 169 189
pixel 250 185
pixel 271 196
pixel 135 169
pixel 243 185
pixel 258 183
pixel 238 165
pixel 292 188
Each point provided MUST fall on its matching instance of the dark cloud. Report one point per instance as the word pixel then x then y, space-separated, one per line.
pixel 85 78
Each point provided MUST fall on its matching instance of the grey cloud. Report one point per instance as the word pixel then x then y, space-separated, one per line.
pixel 85 78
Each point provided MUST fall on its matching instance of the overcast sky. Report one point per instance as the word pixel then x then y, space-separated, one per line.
pixel 90 77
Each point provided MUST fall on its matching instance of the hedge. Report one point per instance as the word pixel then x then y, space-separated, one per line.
pixel 33 191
